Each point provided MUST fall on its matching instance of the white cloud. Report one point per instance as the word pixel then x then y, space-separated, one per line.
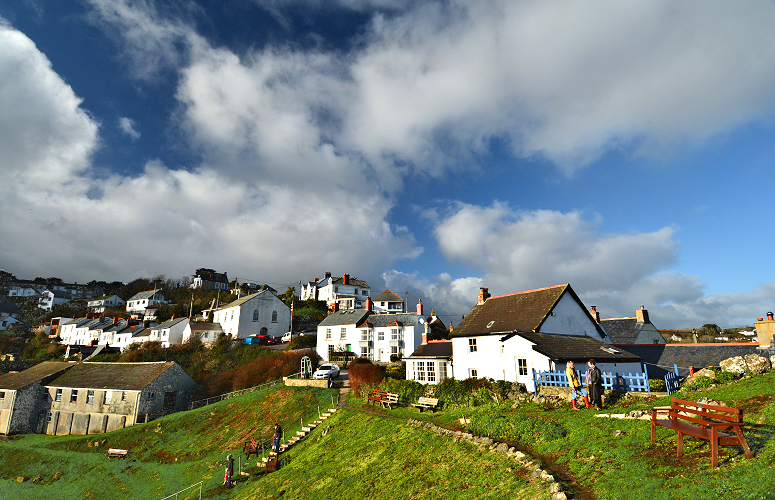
pixel 127 126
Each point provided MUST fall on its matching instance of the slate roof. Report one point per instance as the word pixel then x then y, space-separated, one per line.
pixel 15 381
pixel 169 323
pixel 660 358
pixel 433 350
pixel 563 348
pixel 388 296
pixel 384 320
pixel 145 295
pixel 116 376
pixel 8 307
pixel 438 330
pixel 345 317
pixel 240 301
pixel 197 326
pixel 523 311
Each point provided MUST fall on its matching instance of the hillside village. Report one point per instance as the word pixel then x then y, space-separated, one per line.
pixel 74 382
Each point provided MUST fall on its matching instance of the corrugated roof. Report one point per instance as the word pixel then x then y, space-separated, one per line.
pixel 117 376
pixel 15 381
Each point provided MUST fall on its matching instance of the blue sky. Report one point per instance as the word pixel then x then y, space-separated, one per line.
pixel 427 147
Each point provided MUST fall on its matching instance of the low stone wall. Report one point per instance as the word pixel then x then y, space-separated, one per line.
pixel 305 382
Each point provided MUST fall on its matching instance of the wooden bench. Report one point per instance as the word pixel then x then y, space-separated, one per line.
pixel 117 453
pixel 376 397
pixel 720 425
pixel 390 400
pixel 251 447
pixel 427 404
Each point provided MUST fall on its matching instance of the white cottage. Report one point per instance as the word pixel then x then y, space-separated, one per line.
pixel 170 332
pixel 260 313
pixel 507 337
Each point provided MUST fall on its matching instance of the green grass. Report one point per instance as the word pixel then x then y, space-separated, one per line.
pixel 375 454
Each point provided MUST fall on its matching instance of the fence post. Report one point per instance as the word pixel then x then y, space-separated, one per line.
pixel 646 374
pixel 535 383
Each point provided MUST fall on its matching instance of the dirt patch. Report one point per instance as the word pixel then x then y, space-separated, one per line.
pixel 754 404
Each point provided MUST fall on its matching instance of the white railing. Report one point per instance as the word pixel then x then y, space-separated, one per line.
pixel 200 484
pixel 214 399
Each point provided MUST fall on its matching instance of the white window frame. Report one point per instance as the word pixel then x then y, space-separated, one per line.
pixel 342 333
pixel 89 396
pixel 472 347
pixel 473 373
pixel 522 367
pixel 107 397
pixel 328 334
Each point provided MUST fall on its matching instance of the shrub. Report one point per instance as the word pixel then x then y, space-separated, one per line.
pixel 396 371
pixel 363 374
pixel 657 385
pixel 699 383
pixel 303 342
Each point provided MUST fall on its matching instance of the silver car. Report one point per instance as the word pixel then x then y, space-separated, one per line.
pixel 329 370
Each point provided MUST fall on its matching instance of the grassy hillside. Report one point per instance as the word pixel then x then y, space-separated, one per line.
pixel 375 454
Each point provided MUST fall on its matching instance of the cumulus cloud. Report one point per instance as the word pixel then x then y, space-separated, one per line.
pixel 127 126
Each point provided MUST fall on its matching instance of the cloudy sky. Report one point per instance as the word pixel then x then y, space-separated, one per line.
pixel 432 147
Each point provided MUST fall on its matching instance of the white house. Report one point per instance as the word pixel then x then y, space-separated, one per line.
pixel 389 302
pixel 207 332
pixel 507 337
pixel 375 336
pixel 7 321
pixel 99 305
pixel 209 279
pixel 126 336
pixel 431 363
pixel 260 313
pixel 170 332
pixel 50 298
pixel 346 292
pixel 139 302
pixel 67 328
pixel 22 291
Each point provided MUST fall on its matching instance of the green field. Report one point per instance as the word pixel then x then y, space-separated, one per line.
pixel 361 452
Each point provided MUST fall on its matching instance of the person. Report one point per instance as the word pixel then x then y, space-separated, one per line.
pixel 575 385
pixel 229 470
pixel 278 435
pixel 596 384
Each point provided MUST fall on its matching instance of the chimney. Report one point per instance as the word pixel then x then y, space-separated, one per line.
pixel 769 316
pixel 419 307
pixel 484 294
pixel 334 307
pixel 642 315
pixel 327 275
pixel 425 333
pixel 595 314
pixel 369 304
pixel 346 279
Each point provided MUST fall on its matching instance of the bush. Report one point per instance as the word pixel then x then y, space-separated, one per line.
pixel 397 371
pixel 363 374
pixel 303 342
pixel 657 385
pixel 699 383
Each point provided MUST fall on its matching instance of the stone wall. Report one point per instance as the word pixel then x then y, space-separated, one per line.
pixel 305 382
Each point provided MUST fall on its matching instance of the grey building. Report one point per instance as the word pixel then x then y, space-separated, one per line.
pixel 92 398
pixel 631 331
pixel 23 397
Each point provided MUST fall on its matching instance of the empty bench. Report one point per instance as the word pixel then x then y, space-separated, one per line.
pixel 251 447
pixel 720 425
pixel 427 404
pixel 117 453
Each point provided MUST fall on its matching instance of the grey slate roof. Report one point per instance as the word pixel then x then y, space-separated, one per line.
pixel 358 316
pixel 388 296
pixel 117 376
pixel 146 294
pixel 562 348
pixel 345 317
pixel 660 358
pixel 433 350
pixel 15 381
pixel 241 300
pixel 622 330
pixel 384 320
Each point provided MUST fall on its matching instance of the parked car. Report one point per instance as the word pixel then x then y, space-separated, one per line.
pixel 261 340
pixel 287 337
pixel 329 370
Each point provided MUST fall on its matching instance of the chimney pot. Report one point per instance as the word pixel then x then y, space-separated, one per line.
pixel 327 275
pixel 419 307
pixel 484 294
pixel 769 316
pixel 346 279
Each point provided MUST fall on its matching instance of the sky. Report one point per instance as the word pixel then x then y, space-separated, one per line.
pixel 428 147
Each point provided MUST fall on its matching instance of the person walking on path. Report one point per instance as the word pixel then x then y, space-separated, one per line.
pixel 575 385
pixel 278 434
pixel 596 384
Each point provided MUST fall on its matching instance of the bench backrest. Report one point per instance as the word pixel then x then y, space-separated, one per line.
pixel 428 401
pixel 702 414
pixel 389 396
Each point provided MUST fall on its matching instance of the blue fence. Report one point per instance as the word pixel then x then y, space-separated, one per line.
pixel 672 381
pixel 611 381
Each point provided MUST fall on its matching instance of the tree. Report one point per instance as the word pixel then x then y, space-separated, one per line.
pixel 711 329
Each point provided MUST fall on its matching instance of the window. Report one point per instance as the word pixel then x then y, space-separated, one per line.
pixel 472 373
pixel 151 396
pixel 58 395
pixel 123 395
pixel 381 335
pixel 49 416
pixel 471 345
pixel 74 396
pixel 2 394
pixel 431 371
pixel 343 333
pixel 421 371
pixel 255 315
pixel 522 367
pixel 328 334
pixel 394 334
pixel 89 396
pixel 232 316
pixel 274 316
pixel 393 349
pixel 364 335
pixel 330 349
pixel 107 397
pixel 364 351
pixel 45 393
pixel 207 335
pixel 442 370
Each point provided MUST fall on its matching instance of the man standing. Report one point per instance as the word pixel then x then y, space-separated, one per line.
pixel 278 435
pixel 596 384
pixel 575 385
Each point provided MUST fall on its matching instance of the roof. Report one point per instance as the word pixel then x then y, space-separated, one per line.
pixel 522 311
pixel 384 320
pixel 389 296
pixel 433 350
pixel 562 348
pixel 350 282
pixel 118 376
pixel 661 358
pixel 196 326
pixel 345 317
pixel 242 300
pixel 8 307
pixel 15 381
pixel 169 323
pixel 208 275
pixel 622 330
pixel 146 294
